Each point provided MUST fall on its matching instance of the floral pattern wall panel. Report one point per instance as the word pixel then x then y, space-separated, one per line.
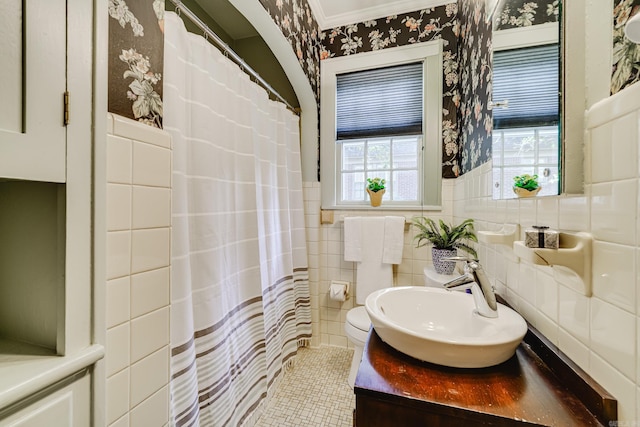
pixel 414 27
pixel 475 120
pixel 626 54
pixel 299 27
pixel 523 13
pixel 136 59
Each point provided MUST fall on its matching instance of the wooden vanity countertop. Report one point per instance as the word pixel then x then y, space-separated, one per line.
pixel 521 391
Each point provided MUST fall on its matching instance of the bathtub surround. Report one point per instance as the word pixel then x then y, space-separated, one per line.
pixel 240 297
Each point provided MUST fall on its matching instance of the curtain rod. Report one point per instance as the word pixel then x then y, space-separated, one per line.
pixel 181 8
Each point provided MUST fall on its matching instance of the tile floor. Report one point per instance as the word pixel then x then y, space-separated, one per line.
pixel 314 393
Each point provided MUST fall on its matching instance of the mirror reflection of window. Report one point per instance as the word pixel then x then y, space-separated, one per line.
pixel 526 105
pixel 526 118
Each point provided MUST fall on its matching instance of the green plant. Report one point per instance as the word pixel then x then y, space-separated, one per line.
pixel 446 236
pixel 375 184
pixel 526 181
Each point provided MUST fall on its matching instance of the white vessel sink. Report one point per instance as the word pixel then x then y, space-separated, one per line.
pixel 442 327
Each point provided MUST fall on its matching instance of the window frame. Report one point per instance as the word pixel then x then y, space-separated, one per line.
pixel 430 54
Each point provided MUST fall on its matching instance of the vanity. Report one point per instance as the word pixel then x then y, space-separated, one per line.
pixel 537 386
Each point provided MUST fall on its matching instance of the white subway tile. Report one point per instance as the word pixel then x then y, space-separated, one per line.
pixel 614 278
pixel 118 254
pixel 151 165
pixel 547 295
pixel 613 336
pixel 117 301
pixel 152 412
pixel 617 384
pixel 577 351
pixel 613 211
pixel 117 351
pixel 573 213
pixel 119 159
pixel 575 313
pixel 149 291
pixel 118 207
pixel 601 153
pixel 117 400
pixel 149 333
pixel 625 140
pixel 128 128
pixel 150 249
pixel 547 212
pixel 149 375
pixel 121 422
pixel 151 207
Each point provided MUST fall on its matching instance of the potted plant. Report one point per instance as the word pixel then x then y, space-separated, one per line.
pixel 375 188
pixel 446 240
pixel 526 185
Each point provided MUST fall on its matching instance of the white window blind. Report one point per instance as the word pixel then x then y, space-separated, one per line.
pixel 380 102
pixel 528 79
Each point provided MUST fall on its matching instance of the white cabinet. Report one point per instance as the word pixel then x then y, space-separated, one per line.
pixel 33 83
pixel 46 283
pixel 64 406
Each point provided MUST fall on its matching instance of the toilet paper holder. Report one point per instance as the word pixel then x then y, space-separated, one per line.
pixel 339 290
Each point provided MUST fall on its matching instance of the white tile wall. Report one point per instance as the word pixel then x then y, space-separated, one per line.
pixel 600 333
pixel 138 273
pixel 325 245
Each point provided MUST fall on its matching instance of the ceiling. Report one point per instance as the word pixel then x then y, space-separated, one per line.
pixel 329 13
pixel 333 13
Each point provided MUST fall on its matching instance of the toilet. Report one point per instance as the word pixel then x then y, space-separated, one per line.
pixel 358 323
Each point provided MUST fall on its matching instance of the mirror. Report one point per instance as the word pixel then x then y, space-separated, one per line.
pixel 526 86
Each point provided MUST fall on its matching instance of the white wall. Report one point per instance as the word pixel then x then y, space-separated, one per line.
pixel 138 221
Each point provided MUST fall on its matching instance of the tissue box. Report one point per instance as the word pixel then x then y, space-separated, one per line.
pixel 541 237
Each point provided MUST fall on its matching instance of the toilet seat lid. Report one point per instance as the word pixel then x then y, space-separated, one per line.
pixel 359 318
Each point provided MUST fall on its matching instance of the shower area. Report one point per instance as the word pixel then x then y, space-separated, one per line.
pixel 240 304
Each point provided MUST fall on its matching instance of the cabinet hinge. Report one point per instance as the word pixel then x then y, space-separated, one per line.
pixel 66 108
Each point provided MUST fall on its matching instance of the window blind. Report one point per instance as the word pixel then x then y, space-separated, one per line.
pixel 380 102
pixel 528 79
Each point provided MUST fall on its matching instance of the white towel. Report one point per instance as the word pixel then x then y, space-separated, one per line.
pixel 372 273
pixel 393 239
pixel 353 238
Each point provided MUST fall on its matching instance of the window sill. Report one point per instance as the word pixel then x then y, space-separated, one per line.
pixel 366 207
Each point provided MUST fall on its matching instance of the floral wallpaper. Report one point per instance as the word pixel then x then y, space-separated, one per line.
pixel 523 13
pixel 626 54
pixel 475 120
pixel 299 27
pixel 414 27
pixel 136 59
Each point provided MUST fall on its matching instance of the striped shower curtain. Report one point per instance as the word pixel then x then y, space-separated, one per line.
pixel 240 294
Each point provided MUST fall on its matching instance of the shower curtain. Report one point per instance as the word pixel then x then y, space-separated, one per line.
pixel 240 294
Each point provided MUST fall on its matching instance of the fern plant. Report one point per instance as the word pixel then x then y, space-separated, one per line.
pixel 445 236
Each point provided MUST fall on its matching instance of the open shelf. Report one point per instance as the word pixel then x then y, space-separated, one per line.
pixel 26 368
pixel 574 253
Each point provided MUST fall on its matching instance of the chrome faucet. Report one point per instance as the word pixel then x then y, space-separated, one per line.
pixel 475 278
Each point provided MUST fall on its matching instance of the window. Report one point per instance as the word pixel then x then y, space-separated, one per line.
pixel 526 116
pixel 381 117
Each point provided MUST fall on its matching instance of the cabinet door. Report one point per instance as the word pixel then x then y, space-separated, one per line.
pixel 32 86
pixel 66 407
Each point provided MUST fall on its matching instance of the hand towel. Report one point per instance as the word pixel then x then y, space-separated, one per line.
pixel 393 239
pixel 353 238
pixel 371 273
